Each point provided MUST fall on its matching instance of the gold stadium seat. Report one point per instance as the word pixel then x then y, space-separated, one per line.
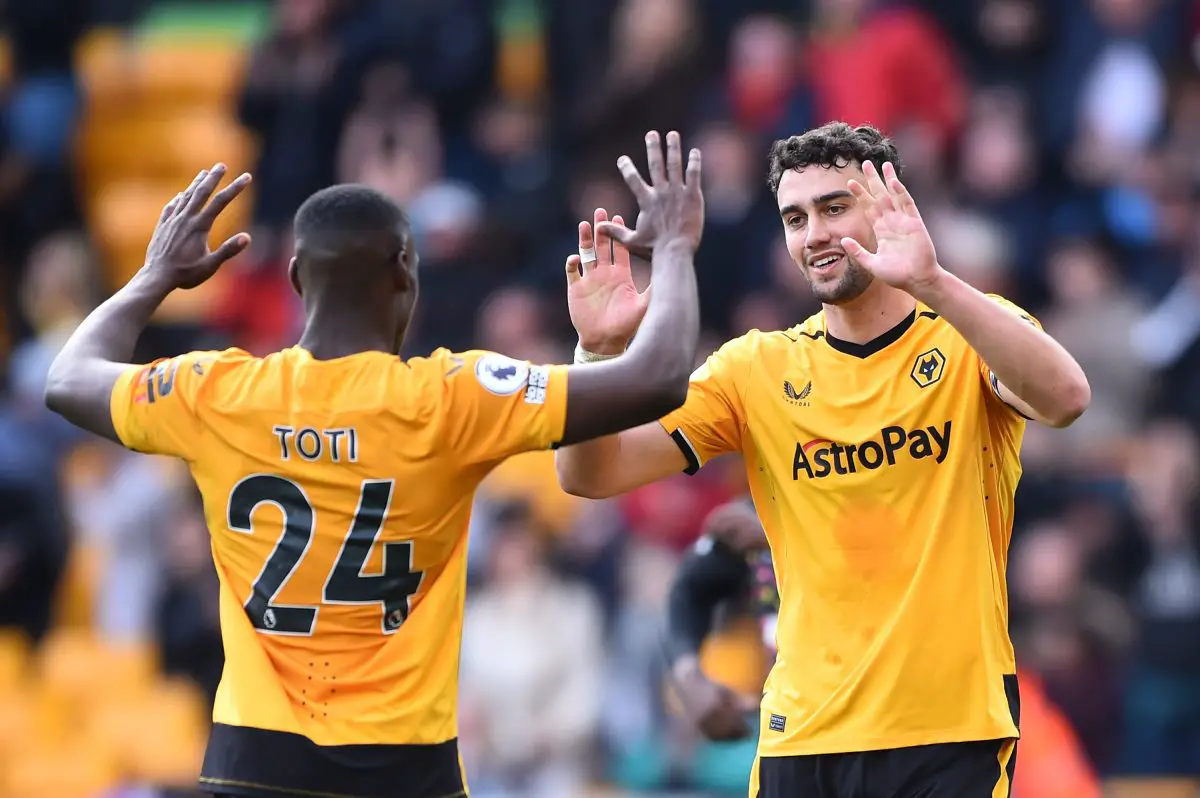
pixel 58 772
pixel 75 666
pixel 200 73
pixel 163 734
pixel 14 660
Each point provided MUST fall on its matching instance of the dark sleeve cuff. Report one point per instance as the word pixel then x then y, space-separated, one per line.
pixel 689 451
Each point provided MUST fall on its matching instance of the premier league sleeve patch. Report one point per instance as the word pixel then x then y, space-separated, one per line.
pixel 501 375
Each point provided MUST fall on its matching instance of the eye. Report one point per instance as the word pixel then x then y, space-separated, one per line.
pixel 835 210
pixel 795 221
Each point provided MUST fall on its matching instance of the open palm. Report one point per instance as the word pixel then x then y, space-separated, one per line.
pixel 904 255
pixel 605 304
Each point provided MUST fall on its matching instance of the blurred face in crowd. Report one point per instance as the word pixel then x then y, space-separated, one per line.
pixel 301 17
pixel 762 50
pixel 818 211
pixel 516 554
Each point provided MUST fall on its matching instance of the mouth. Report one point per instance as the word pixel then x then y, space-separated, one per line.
pixel 826 263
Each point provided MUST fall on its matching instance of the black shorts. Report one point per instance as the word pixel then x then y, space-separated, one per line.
pixel 951 770
pixel 243 762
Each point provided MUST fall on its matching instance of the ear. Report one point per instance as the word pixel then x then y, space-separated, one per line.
pixel 406 271
pixel 294 277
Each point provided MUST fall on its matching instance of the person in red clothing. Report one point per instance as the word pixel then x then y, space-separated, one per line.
pixel 891 67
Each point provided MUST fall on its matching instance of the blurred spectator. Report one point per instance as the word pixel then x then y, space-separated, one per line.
pixel 33 529
pixel 888 66
pixel 1162 708
pixel 296 95
pixel 187 613
pixel 532 652
pixel 39 117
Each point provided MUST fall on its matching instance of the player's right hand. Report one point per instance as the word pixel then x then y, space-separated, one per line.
pixel 719 713
pixel 178 251
pixel 605 304
pixel 671 207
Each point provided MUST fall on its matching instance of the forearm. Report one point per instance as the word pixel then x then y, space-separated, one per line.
pixel 665 344
pixel 82 375
pixel 1027 361
pixel 705 580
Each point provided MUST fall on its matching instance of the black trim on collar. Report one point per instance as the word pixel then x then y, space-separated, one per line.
pixel 875 344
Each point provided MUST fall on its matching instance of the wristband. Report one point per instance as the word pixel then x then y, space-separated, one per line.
pixel 584 356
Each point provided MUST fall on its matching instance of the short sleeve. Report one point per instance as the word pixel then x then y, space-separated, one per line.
pixel 497 406
pixel 710 421
pixel 154 407
pixel 992 385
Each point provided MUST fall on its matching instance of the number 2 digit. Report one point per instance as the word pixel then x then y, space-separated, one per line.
pixel 345 584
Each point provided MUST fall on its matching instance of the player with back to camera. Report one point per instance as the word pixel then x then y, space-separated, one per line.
pixel 338 478
pixel 881 439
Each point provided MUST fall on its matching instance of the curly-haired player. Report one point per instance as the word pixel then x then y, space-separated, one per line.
pixel 881 439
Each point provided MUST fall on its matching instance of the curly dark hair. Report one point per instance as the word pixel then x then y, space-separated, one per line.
pixel 833 145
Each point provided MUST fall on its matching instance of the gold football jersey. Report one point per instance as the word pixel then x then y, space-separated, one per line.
pixel 338 495
pixel 884 475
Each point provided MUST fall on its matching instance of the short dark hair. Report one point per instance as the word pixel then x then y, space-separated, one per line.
pixel 349 209
pixel 833 145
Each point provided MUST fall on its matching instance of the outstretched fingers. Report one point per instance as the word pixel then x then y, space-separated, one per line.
pixel 204 189
pixel 876 186
pixel 654 159
pixel 693 177
pixel 222 199
pixel 866 199
pixel 858 252
pixel 674 158
pixel 574 269
pixel 632 179
pixel 603 240
pixel 235 245
pixel 620 251
pixel 904 200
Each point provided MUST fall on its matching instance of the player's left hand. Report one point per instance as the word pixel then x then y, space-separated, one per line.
pixel 178 251
pixel 904 256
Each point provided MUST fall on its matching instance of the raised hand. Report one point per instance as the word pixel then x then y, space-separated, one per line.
pixel 720 713
pixel 671 207
pixel 904 255
pixel 606 307
pixel 178 250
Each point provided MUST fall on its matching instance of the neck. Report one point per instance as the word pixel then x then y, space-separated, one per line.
pixel 329 339
pixel 877 310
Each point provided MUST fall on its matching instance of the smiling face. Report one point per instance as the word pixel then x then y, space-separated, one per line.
pixel 818 211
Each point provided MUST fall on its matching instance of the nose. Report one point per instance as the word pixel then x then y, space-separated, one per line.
pixel 819 234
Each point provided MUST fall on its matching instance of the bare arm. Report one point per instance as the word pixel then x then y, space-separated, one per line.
pixel 650 379
pixel 1034 374
pixel 80 383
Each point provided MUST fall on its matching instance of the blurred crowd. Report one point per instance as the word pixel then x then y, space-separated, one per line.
pixel 1052 145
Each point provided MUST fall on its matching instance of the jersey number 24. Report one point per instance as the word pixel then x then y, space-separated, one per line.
pixel 346 583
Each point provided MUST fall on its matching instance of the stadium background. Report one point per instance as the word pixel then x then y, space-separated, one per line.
pixel 1054 147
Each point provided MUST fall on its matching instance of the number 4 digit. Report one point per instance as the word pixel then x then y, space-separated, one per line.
pixel 346 583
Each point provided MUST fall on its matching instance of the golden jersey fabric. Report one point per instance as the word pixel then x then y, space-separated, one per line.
pixel 884 476
pixel 338 495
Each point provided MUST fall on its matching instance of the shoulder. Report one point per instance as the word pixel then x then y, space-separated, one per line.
pixel 494 372
pixel 754 344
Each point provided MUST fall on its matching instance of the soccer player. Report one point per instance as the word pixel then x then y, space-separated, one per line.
pixel 881 439
pixel 729 563
pixel 338 479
